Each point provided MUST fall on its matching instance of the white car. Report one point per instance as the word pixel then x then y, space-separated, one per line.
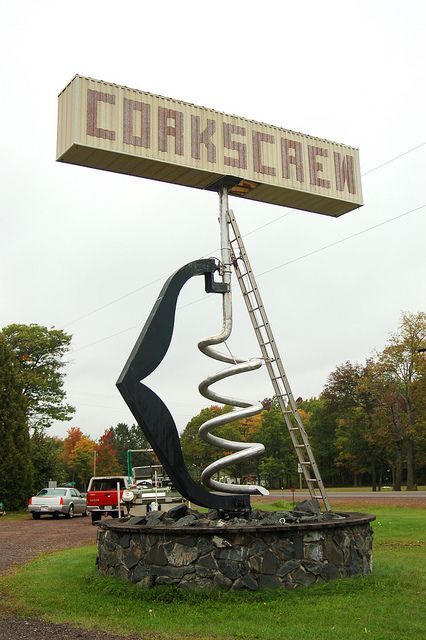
pixel 56 501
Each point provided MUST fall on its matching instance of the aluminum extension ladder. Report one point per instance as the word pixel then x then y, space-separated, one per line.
pixel 275 367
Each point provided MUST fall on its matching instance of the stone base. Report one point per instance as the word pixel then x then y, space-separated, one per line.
pixel 237 557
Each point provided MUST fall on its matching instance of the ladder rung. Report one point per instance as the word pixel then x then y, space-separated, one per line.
pixel 299 446
pixel 312 480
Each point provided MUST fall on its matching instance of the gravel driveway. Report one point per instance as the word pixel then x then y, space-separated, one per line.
pixel 22 540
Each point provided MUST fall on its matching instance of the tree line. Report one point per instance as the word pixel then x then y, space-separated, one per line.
pixel 368 426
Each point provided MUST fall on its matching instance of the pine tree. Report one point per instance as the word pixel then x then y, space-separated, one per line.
pixel 15 460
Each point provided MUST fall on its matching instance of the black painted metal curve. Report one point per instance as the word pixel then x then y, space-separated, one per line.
pixel 149 410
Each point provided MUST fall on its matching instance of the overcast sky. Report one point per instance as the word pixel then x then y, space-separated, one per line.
pixel 88 251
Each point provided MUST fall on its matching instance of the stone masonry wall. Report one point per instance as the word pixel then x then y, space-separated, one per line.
pixel 287 556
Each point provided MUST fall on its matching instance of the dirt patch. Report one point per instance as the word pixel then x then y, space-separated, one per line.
pixel 19 629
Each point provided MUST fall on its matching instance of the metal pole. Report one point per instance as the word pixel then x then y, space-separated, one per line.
pixel 129 465
pixel 118 499
pixel 225 249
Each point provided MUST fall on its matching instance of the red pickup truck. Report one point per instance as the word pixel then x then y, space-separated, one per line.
pixel 102 496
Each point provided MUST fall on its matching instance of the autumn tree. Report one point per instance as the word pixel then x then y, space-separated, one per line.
pixel 39 352
pixel 81 460
pixel 74 435
pixel 106 460
pixel 348 394
pixel 78 455
pixel 402 368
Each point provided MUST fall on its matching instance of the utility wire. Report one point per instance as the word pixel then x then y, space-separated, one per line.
pixel 255 230
pixel 280 266
pixel 379 166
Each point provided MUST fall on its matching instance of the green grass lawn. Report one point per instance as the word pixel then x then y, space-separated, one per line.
pixel 15 515
pixel 388 605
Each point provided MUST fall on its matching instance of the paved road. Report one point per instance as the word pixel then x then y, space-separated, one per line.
pixel 363 495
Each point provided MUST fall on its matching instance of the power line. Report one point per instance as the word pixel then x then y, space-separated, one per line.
pixel 336 242
pixel 255 230
pixel 379 166
pixel 280 266
pixel 108 304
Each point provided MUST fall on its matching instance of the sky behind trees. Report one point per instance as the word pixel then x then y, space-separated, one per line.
pixel 87 251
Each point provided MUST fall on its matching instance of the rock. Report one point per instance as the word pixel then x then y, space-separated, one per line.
pixel 220 543
pixel 139 573
pixel 232 569
pixel 207 561
pixel 188 541
pixel 222 582
pixel 170 572
pixel 314 551
pixel 276 518
pixel 136 521
pixel 156 556
pixel 313 567
pixel 181 555
pixel 309 519
pixel 185 521
pixel 146 582
pixel 307 506
pixel 153 518
pixel 313 536
pixel 213 514
pixel 269 582
pixel 329 515
pixel 132 556
pixel 257 547
pixel 302 577
pixel 232 553
pixel 204 545
pixel 246 582
pixel 270 563
pixel 179 511
pixel 283 549
pixel 288 567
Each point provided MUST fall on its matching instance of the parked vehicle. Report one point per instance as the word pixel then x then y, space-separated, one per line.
pixel 65 500
pixel 103 498
pixel 102 495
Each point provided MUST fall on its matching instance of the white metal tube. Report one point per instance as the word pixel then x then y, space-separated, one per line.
pixel 118 499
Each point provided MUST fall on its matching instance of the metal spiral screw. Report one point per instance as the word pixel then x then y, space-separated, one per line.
pixel 243 450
